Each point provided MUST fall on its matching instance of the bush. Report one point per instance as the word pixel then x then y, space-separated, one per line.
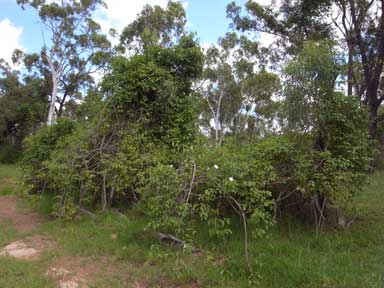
pixel 38 153
pixel 210 184
pixel 143 149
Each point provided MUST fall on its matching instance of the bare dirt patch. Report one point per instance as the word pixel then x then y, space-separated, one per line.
pixel 79 271
pixel 23 221
pixel 29 248
pixel 18 250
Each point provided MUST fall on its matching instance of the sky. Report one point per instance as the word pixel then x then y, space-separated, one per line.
pixel 21 29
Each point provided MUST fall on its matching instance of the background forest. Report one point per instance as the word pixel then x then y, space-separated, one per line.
pixel 195 138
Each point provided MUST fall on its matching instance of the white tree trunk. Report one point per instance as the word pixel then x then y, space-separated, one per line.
pixel 216 117
pixel 51 113
pixel 56 74
pixel 217 126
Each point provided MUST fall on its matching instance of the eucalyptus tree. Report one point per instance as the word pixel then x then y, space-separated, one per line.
pixel 289 22
pixel 155 26
pixel 357 26
pixel 74 50
pixel 332 125
pixel 362 27
pixel 310 81
pixel 237 89
pixel 221 93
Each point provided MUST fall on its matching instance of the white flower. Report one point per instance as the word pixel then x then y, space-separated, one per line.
pixel 216 167
pixel 231 179
pixel 171 166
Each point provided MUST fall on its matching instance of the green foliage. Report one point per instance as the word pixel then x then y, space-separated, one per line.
pixel 334 125
pixel 155 90
pixel 160 191
pixel 135 143
pixel 292 22
pixel 155 26
pixel 140 147
pixel 214 184
pixel 131 164
pixel 148 107
pixel 77 50
pixel 238 93
pixel 38 152
pixel 23 106
pixel 289 257
pixel 310 81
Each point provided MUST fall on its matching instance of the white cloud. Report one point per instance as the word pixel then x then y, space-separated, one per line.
pixel 119 14
pixel 11 35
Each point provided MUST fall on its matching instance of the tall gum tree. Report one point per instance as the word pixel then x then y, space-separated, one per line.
pixel 74 51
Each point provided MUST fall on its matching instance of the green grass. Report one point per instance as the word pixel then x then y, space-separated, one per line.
pixel 22 274
pixel 146 260
pixel 17 274
pixel 8 176
pixel 9 171
pixel 292 256
pixel 7 234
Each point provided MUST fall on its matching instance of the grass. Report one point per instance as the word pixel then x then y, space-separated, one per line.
pixel 17 274
pixel 21 274
pixel 8 176
pixel 9 171
pixel 292 256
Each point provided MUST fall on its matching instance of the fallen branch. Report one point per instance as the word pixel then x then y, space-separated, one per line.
pixel 169 238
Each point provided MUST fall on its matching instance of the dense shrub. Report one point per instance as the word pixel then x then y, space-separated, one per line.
pixel 336 159
pixel 212 183
pixel 38 151
pixel 141 148
pixel 154 91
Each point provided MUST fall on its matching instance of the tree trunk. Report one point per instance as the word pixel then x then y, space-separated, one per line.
pixel 104 202
pixel 61 106
pixel 373 105
pixel 350 71
pixel 216 131
pixel 373 120
pixel 52 106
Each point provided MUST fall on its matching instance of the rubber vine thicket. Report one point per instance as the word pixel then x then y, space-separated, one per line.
pixel 139 142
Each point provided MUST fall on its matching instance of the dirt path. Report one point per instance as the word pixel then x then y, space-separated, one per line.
pixel 23 220
pixel 30 248
pixel 67 272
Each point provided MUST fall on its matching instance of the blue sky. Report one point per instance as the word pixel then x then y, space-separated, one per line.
pixel 208 18
pixel 20 28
